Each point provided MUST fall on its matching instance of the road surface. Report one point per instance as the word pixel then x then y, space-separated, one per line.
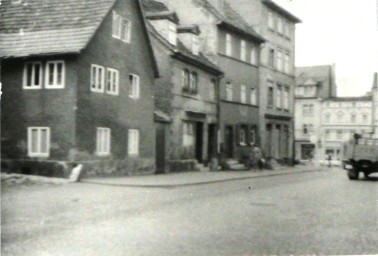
pixel 303 213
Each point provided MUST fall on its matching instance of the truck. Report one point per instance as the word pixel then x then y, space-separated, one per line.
pixel 360 155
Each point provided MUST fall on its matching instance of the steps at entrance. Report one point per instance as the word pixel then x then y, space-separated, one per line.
pixel 231 164
pixel 201 167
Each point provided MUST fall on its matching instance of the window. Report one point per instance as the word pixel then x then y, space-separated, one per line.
pixel 271 20
pixel 340 116
pixel 112 81
pixel 279 25
pixel 308 109
pixel 133 143
pixel 134 86
pixel 242 136
pixel 188 135
pixel 243 93
pixel 253 96
pixel 38 141
pixel 365 118
pixel 310 128
pixel 305 129
pixel 252 136
pixel 327 118
pixel 185 80
pixel 286 99
pixel 54 74
pixel 212 89
pixel 32 75
pixel 228 45
pixel 287 29
pixel 103 141
pixel 287 63
pixel 271 58
pixel 121 28
pixel 172 33
pixel 243 50
pixel 339 134
pixel 97 78
pixel 193 82
pixel 327 133
pixel 278 97
pixel 353 118
pixel 270 96
pixel 253 56
pixel 229 91
pixel 279 61
pixel 195 45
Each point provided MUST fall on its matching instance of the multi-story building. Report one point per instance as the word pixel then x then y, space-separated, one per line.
pixel 342 117
pixel 78 87
pixel 313 84
pixel 277 77
pixel 229 42
pixel 186 92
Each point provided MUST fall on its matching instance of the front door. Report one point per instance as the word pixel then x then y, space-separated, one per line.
pixel 199 141
pixel 211 144
pixel 228 141
pixel 160 148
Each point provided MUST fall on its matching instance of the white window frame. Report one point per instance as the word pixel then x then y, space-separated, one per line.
pixel 25 77
pixel 279 61
pixel 253 96
pixel 112 76
pixel 243 93
pixel 134 86
pixel 103 141
pixel 271 20
pixel 279 97
pixel 188 134
pixel 252 136
pixel 55 85
pixel 286 98
pixel 172 33
pixel 287 63
pixel 212 89
pixel 119 24
pixel 133 143
pixel 242 136
pixel 228 45
pixel 99 84
pixel 243 50
pixel 229 91
pixel 195 44
pixel 253 59
pixel 29 139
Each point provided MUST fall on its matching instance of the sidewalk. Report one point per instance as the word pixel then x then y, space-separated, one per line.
pixel 195 178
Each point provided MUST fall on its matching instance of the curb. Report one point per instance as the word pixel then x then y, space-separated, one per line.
pixel 197 183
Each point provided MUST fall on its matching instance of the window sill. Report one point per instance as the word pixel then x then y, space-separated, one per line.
pixel 98 91
pixel 32 88
pixel 102 154
pixel 242 144
pixel 112 93
pixel 54 87
pixel 41 155
pixel 133 97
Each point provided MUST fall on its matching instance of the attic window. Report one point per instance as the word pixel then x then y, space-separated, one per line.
pixel 172 33
pixel 121 28
pixel 195 45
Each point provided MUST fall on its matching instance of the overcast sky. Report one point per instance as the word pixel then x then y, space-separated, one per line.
pixel 344 32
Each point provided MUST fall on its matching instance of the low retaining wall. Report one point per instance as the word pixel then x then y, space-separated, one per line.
pixel 182 165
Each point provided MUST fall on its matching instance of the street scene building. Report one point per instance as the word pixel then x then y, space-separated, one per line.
pixel 78 82
pixel 277 74
pixel 186 93
pixel 313 85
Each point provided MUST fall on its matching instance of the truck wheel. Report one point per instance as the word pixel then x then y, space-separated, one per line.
pixel 353 174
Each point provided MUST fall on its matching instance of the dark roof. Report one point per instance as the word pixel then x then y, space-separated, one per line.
pixel 360 98
pixel 154 6
pixel 194 29
pixel 318 73
pixel 230 19
pixel 156 10
pixel 179 51
pixel 49 27
pixel 281 10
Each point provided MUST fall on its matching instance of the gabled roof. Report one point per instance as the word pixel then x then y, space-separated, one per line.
pixel 281 11
pixel 230 19
pixel 36 27
pixel 179 51
pixel 317 73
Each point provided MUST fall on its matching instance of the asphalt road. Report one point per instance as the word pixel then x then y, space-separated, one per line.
pixel 304 213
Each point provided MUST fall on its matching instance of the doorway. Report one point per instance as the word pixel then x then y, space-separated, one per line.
pixel 228 141
pixel 199 142
pixel 211 144
pixel 160 148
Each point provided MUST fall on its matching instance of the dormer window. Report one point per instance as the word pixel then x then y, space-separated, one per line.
pixel 172 33
pixel 121 28
pixel 195 45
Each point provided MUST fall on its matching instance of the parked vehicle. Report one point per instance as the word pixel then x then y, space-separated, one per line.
pixel 360 155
